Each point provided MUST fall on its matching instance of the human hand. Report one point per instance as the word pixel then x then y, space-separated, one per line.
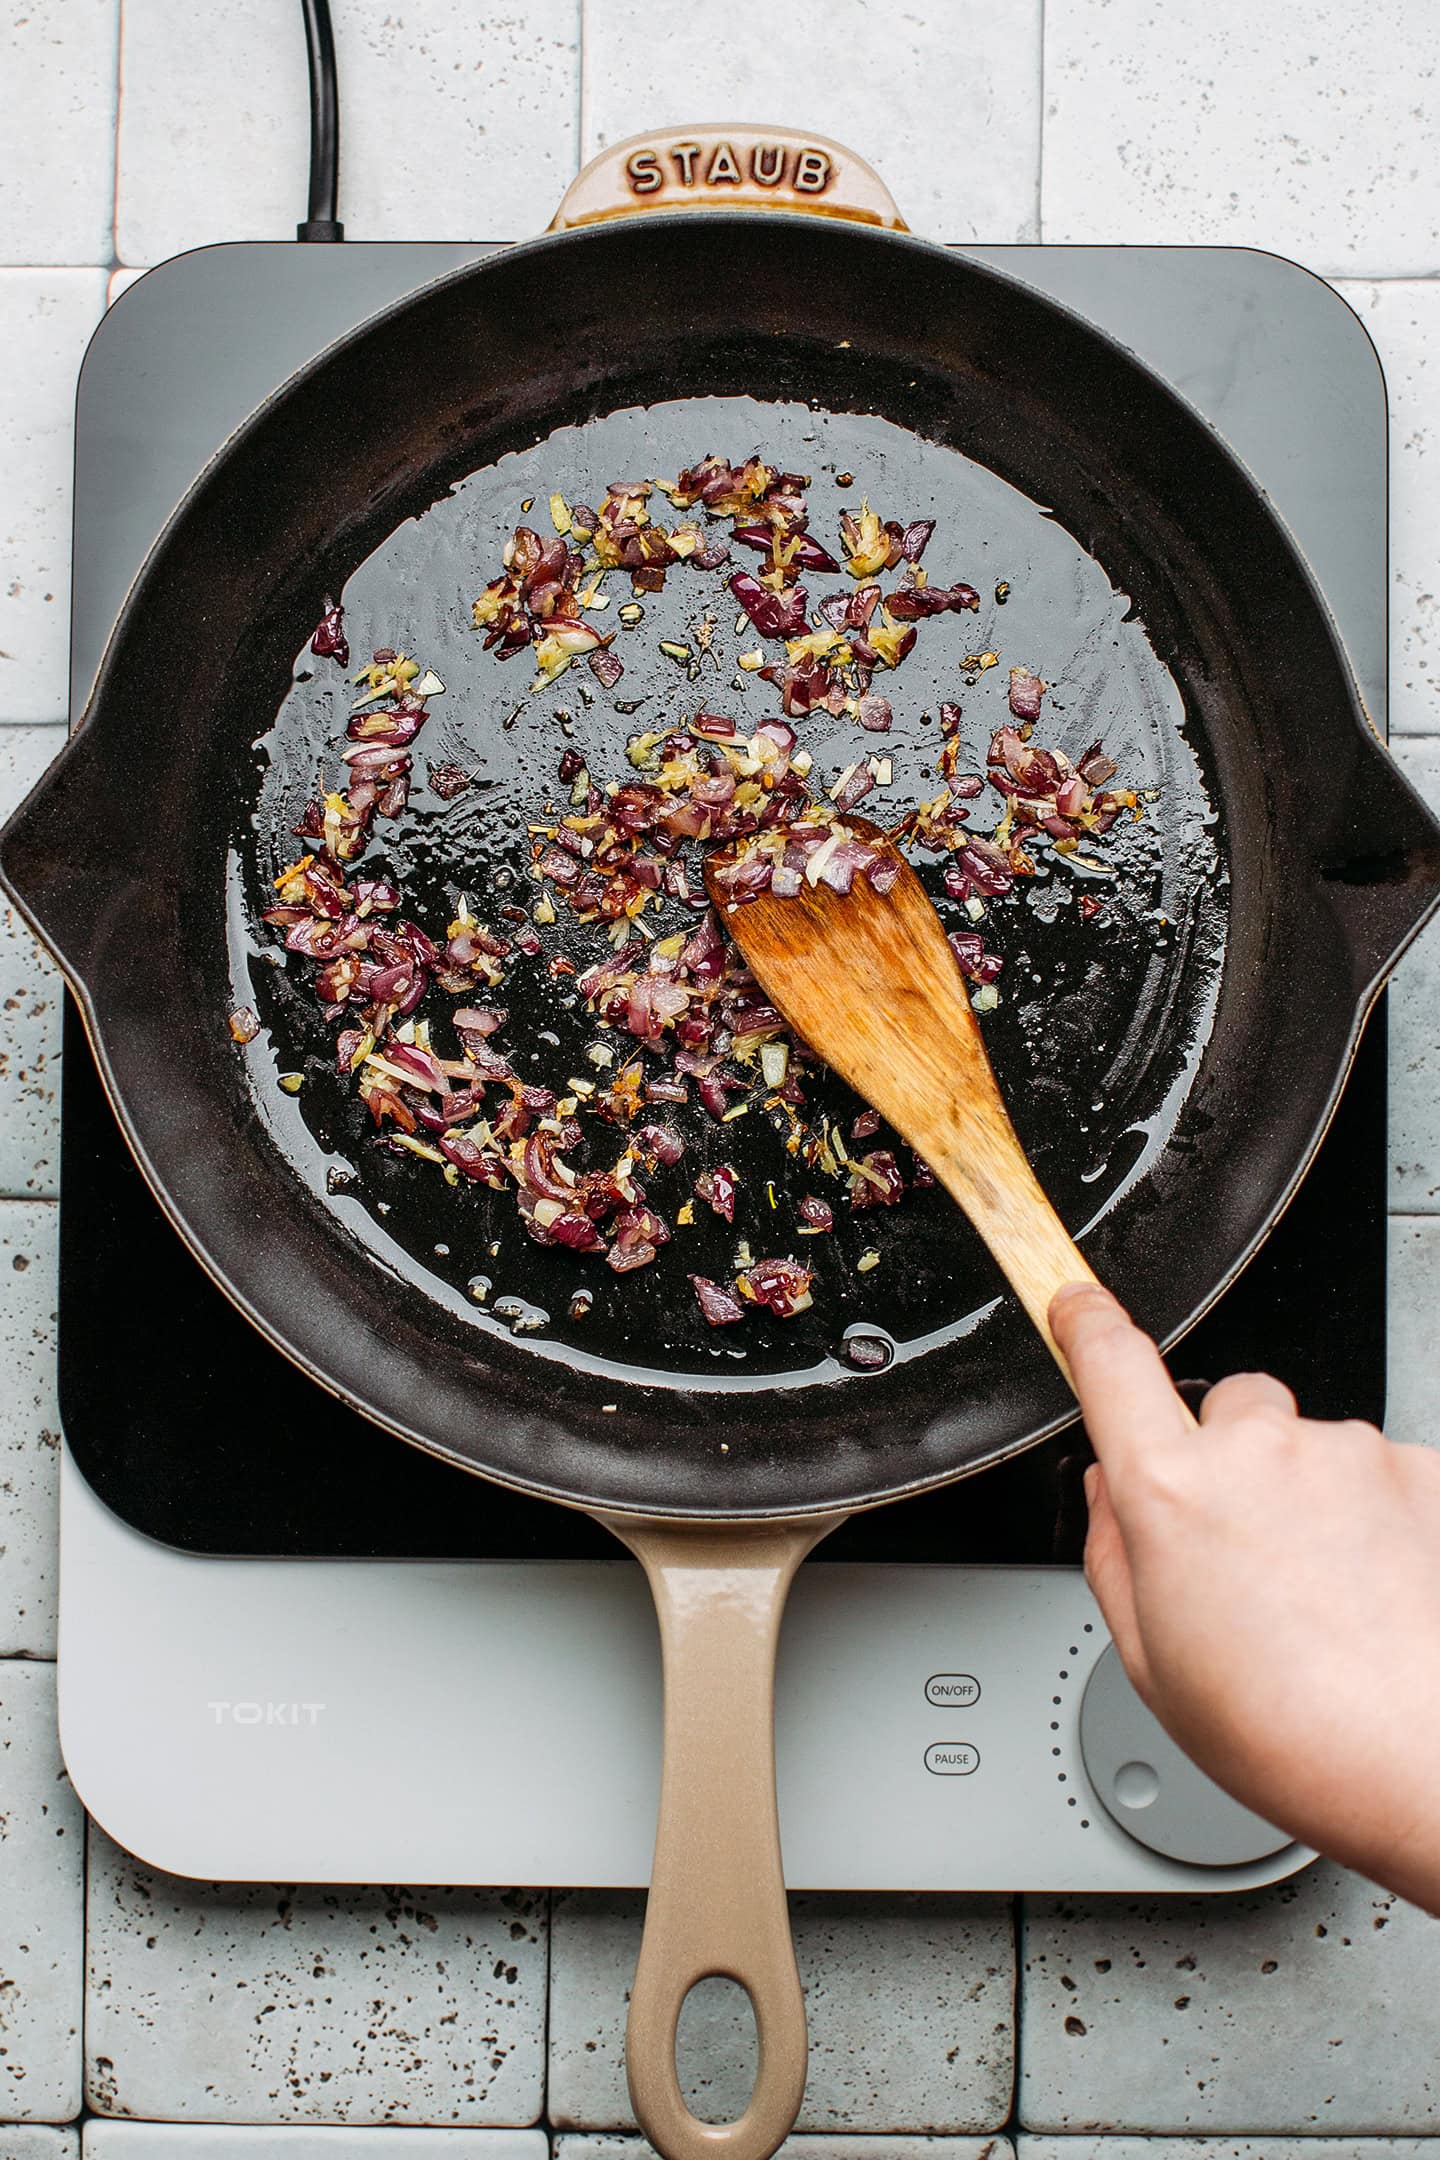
pixel 1273 1587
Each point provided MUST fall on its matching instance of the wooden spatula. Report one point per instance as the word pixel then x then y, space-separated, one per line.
pixel 870 983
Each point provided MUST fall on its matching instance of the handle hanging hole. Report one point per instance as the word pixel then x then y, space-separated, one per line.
pixel 717 2049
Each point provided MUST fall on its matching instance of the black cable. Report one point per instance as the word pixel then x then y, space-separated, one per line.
pixel 322 223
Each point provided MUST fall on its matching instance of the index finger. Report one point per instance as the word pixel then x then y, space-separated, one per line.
pixel 1130 1404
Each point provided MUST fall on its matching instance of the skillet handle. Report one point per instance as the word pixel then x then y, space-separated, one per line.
pixel 715 167
pixel 717 1890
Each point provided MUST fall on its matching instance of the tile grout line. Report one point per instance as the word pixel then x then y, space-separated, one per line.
pixel 115 159
pixel 1040 140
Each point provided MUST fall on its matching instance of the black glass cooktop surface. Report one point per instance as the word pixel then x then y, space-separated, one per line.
pixel 194 1430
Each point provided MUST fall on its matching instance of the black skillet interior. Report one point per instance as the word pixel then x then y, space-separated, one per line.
pixel 1179 1122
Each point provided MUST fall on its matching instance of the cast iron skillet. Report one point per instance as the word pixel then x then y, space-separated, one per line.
pixel 1172 1082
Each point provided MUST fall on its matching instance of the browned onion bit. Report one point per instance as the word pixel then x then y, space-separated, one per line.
pixel 244 1024
pixel 448 781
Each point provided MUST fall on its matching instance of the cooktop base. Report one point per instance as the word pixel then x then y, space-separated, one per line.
pixel 292 1648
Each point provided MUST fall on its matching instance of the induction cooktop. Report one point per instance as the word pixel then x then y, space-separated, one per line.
pixel 271 1582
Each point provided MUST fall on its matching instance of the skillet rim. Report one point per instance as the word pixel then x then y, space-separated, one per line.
pixel 94 722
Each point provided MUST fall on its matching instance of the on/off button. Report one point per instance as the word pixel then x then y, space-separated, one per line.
pixel 952 1690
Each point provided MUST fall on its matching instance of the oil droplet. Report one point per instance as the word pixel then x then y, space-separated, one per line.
pixel 524 1319
pixel 867 1348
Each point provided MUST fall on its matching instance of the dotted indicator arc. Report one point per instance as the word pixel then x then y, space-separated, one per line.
pixel 1062 1777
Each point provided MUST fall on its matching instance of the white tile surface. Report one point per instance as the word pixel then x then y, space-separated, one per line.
pixel 46 317
pixel 36 2141
pixel 29 1004
pixel 208 2141
pixel 909 2001
pixel 251 2003
pixel 42 1875
pixel 1403 318
pixel 1283 2148
pixel 57 176
pixel 1306 2008
pixel 1413 1412
pixel 1311 129
pixel 29 1432
pixel 458 121
pixel 1415 1031
pixel 942 99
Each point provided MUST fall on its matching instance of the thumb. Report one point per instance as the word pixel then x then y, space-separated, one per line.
pixel 1130 1405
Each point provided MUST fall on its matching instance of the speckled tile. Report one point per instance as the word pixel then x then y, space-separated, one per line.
pixel 46 317
pixel 459 121
pixel 1403 318
pixel 1282 2148
pixel 1415 1029
pixel 30 1010
pixel 57 180
pixel 1305 2008
pixel 208 2141
pixel 239 2002
pixel 1313 131
pixel 37 2141
pixel 910 2001
pixel 1413 1409
pixel 29 1428
pixel 42 1909
pixel 579 2145
pixel 941 100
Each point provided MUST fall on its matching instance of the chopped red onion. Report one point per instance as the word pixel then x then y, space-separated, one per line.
pixel 329 641
pixel 781 1285
pixel 720 1306
pixel 663 1142
pixel 775 615
pixel 877 1182
pixel 1026 692
pixel 717 1189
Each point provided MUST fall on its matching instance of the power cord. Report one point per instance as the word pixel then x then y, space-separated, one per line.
pixel 322 223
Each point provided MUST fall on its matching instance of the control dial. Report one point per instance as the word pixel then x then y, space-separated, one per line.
pixel 1152 1790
